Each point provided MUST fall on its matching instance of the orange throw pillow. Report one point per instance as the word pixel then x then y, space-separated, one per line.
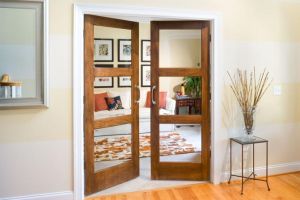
pixel 162 100
pixel 148 101
pixel 100 103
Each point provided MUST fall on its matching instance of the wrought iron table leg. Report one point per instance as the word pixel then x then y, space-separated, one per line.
pixel 253 157
pixel 230 162
pixel 267 167
pixel 242 169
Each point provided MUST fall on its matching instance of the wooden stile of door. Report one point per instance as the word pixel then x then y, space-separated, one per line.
pixel 111 176
pixel 180 170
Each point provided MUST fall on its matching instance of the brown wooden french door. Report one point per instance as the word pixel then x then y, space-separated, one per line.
pixel 104 174
pixel 168 42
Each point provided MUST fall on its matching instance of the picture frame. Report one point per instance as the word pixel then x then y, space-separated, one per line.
pixel 145 50
pixel 124 50
pixel 105 81
pixel 146 75
pixel 103 50
pixel 124 81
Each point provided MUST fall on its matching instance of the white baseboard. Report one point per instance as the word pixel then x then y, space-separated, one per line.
pixel 67 195
pixel 261 171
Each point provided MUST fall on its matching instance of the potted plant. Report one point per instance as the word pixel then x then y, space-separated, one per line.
pixel 192 85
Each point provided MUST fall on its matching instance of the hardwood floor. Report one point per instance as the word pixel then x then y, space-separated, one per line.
pixel 283 187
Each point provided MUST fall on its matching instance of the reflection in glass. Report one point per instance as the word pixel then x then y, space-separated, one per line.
pixel 182 94
pixel 18 57
pixel 112 146
pixel 179 48
pixel 180 143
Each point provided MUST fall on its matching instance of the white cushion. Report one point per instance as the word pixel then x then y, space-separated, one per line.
pixel 113 113
pixel 145 112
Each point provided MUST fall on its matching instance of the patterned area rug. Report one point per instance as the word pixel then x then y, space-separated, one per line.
pixel 119 147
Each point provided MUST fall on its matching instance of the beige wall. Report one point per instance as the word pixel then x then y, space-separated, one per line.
pixel 36 144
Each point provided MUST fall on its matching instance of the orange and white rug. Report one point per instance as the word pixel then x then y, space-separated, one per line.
pixel 119 147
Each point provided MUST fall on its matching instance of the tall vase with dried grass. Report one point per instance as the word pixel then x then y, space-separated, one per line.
pixel 248 91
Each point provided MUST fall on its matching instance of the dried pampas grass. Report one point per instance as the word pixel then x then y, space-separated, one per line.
pixel 248 90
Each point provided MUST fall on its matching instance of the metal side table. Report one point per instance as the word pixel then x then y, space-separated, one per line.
pixel 248 141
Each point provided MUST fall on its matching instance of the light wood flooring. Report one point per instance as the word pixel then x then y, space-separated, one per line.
pixel 283 187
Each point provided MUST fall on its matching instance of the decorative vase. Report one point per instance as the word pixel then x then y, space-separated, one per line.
pixel 248 116
pixel 182 90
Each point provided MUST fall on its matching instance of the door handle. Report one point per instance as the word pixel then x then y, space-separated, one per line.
pixel 152 94
pixel 139 93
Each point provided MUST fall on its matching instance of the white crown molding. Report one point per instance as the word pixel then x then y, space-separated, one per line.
pixel 66 195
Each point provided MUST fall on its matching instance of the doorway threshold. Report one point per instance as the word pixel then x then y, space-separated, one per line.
pixel 143 182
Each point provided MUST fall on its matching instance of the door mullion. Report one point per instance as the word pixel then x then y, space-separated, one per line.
pixel 154 107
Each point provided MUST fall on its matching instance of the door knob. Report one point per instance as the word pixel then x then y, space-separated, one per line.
pixel 139 94
pixel 152 94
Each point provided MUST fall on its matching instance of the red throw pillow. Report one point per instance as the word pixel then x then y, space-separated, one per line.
pixel 162 100
pixel 100 103
pixel 148 100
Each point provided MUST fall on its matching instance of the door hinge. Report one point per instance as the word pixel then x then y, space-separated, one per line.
pixel 209 37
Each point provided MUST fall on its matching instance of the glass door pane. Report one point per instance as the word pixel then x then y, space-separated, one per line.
pixel 180 95
pixel 112 146
pixel 180 143
pixel 179 48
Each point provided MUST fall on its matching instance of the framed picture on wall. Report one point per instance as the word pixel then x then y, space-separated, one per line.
pixel 124 50
pixel 103 50
pixel 146 50
pixel 146 75
pixel 124 81
pixel 104 82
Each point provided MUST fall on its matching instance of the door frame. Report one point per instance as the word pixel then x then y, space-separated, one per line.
pixel 79 11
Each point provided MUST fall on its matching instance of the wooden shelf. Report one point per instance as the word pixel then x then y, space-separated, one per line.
pixel 10 83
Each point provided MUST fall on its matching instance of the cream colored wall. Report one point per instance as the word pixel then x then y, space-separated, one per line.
pixel 36 144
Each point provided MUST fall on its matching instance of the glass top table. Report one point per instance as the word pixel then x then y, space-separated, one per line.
pixel 248 140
